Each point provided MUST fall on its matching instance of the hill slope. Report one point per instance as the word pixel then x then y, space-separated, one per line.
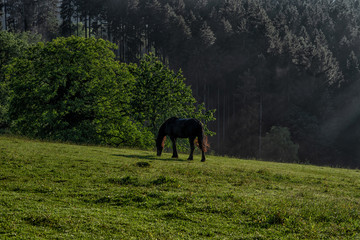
pixel 62 191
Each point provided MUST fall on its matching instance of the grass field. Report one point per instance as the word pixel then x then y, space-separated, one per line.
pixel 63 191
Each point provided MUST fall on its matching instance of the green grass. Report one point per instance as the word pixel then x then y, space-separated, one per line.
pixel 63 191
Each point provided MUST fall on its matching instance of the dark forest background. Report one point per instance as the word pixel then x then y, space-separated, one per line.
pixel 282 75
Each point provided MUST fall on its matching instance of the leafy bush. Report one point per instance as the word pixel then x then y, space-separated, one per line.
pixel 160 93
pixel 277 145
pixel 72 89
pixel 11 45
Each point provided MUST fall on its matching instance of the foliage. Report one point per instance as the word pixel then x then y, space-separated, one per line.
pixel 14 44
pixel 160 93
pixel 11 45
pixel 32 16
pixel 67 11
pixel 277 146
pixel 52 190
pixel 72 89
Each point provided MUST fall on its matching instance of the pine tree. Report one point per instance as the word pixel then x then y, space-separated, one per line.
pixel 67 14
pixel 207 36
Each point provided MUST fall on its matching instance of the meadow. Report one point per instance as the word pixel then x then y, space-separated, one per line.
pixel 63 191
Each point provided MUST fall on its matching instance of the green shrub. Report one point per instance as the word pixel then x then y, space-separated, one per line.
pixel 277 145
pixel 72 89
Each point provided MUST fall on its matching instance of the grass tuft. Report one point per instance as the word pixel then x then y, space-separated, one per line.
pixel 143 164
pixel 163 180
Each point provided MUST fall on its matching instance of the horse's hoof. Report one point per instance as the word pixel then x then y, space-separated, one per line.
pixel 203 160
pixel 190 159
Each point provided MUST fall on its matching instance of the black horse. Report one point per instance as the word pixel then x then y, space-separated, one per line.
pixel 182 128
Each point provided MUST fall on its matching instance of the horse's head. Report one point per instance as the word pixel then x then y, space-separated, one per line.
pixel 160 145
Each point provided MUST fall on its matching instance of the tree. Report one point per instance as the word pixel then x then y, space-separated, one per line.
pixel 72 89
pixel 2 13
pixel 161 93
pixel 67 12
pixel 35 16
pixel 12 45
pixel 206 35
pixel 278 145
pixel 46 19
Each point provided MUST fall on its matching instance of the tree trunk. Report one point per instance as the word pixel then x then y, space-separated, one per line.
pixel 85 25
pixel 260 123
pixel 5 11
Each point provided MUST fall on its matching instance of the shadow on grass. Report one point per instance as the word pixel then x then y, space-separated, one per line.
pixel 148 157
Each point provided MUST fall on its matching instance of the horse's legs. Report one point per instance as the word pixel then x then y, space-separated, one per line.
pixel 203 156
pixel 200 139
pixel 175 154
pixel 192 147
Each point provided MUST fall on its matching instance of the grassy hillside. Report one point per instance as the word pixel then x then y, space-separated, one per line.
pixel 62 191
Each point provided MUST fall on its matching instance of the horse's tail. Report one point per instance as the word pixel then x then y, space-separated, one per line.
pixel 205 143
pixel 203 140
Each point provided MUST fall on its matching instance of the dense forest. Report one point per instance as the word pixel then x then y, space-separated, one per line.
pixel 282 75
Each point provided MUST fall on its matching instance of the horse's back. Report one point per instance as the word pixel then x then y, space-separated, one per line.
pixel 183 127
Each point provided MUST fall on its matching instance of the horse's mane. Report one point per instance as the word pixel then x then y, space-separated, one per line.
pixel 163 141
pixel 172 119
pixel 160 140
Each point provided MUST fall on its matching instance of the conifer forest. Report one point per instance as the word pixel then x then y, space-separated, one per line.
pixel 282 75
